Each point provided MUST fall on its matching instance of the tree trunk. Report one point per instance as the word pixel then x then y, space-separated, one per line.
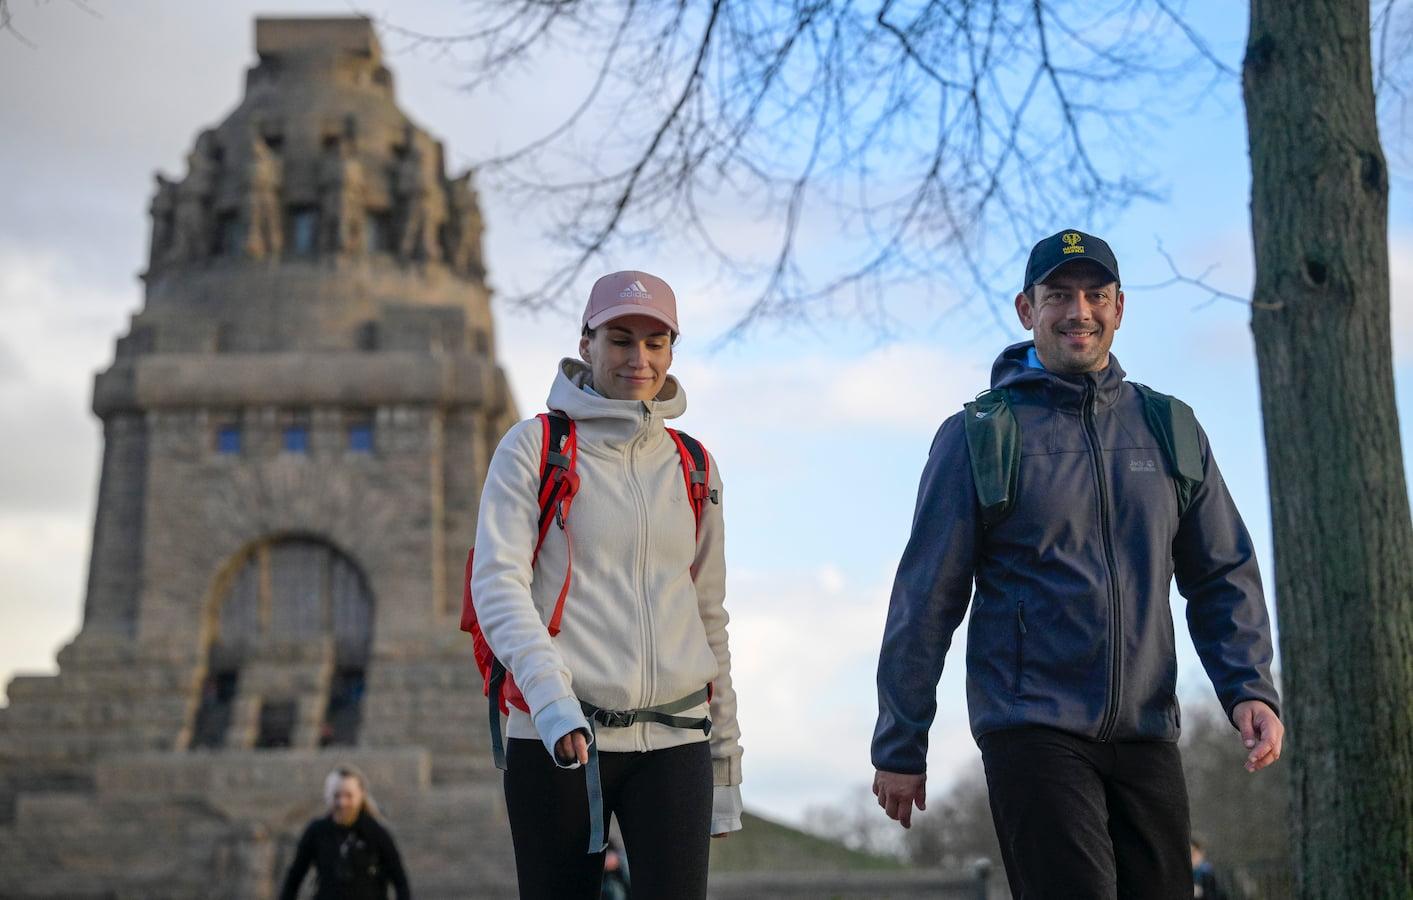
pixel 1339 503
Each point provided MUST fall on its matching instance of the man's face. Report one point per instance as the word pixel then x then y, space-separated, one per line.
pixel 1074 315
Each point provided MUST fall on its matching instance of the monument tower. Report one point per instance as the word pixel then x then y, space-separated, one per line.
pixel 295 426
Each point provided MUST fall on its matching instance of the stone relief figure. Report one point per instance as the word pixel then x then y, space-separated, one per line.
pixel 163 209
pixel 423 204
pixel 191 228
pixel 342 201
pixel 466 256
pixel 264 230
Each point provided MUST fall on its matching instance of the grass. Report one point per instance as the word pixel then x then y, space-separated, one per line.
pixel 765 845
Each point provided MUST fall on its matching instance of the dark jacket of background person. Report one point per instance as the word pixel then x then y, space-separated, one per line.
pixel 356 862
pixel 1204 883
pixel 1071 626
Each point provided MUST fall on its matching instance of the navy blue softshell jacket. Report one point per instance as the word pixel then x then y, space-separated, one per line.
pixel 1071 625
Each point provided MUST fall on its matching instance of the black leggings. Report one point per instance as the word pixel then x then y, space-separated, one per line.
pixel 662 800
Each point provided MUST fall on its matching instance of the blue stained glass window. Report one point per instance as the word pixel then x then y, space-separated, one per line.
pixel 304 230
pixel 360 437
pixel 297 438
pixel 228 439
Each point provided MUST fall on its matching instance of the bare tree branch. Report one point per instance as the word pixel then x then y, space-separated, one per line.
pixel 7 24
pixel 871 145
pixel 1197 41
pixel 1200 281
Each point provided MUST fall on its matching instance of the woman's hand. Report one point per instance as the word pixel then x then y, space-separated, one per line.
pixel 573 746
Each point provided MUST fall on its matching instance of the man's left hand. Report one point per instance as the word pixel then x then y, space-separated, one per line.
pixel 1261 732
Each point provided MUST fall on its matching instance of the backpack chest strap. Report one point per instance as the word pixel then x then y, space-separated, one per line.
pixel 662 714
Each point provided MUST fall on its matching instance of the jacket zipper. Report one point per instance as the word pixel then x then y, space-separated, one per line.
pixel 1116 661
pixel 649 663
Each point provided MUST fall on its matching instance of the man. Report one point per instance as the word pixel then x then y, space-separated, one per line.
pixel 1205 885
pixel 1071 669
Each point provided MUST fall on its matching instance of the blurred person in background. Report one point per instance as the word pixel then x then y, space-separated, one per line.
pixel 352 852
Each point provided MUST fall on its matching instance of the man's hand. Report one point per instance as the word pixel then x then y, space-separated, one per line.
pixel 574 745
pixel 1261 732
pixel 897 793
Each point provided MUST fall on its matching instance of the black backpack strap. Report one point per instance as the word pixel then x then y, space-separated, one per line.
pixel 696 471
pixel 1175 426
pixel 993 444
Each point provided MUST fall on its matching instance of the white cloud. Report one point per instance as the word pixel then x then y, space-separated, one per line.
pixel 1400 251
pixel 804 650
pixel 57 334
pixel 44 558
pixel 58 331
pixel 897 387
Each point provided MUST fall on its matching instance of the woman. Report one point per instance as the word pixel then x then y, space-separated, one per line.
pixel 353 854
pixel 643 634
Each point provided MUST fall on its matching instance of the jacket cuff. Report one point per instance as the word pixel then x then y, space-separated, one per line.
pixel 547 686
pixel 558 719
pixel 725 808
pixel 725 771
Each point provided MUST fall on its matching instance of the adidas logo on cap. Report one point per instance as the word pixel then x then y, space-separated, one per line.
pixel 635 291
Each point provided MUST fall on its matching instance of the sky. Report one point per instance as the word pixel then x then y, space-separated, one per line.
pixel 820 433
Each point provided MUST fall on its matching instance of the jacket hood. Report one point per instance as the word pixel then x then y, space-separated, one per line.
pixel 613 421
pixel 1012 369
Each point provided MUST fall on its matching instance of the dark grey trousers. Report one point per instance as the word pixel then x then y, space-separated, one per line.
pixel 1083 819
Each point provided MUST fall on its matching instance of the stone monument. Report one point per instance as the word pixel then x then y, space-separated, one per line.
pixel 296 427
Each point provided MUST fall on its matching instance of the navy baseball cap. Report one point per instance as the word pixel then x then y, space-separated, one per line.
pixel 1065 247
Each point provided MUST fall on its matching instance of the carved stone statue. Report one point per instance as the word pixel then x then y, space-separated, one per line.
pixel 423 204
pixel 191 229
pixel 342 200
pixel 164 207
pixel 264 231
pixel 466 256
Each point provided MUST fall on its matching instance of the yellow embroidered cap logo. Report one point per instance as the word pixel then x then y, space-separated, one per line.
pixel 1072 242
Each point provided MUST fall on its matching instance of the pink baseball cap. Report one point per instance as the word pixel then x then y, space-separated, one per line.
pixel 631 293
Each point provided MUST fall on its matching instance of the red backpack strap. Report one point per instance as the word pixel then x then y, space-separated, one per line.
pixel 696 472
pixel 559 482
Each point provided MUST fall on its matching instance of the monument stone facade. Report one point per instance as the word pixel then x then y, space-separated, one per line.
pixel 296 426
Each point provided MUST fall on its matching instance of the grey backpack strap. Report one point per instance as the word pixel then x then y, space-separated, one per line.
pixel 1175 426
pixel 993 443
pixel 664 714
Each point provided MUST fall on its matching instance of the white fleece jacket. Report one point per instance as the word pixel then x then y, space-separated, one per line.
pixel 644 622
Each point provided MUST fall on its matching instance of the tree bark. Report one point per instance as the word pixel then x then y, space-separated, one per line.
pixel 1339 502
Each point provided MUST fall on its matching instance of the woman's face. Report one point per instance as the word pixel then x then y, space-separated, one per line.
pixel 629 357
pixel 348 800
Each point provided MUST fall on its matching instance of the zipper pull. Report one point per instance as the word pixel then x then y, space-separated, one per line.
pixel 1020 616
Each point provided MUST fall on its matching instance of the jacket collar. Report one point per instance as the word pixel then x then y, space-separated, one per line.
pixel 1012 370
pixel 612 423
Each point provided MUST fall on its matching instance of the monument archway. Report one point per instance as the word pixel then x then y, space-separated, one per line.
pixel 290 636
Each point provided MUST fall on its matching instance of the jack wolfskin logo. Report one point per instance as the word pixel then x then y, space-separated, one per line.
pixel 1142 465
pixel 635 291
